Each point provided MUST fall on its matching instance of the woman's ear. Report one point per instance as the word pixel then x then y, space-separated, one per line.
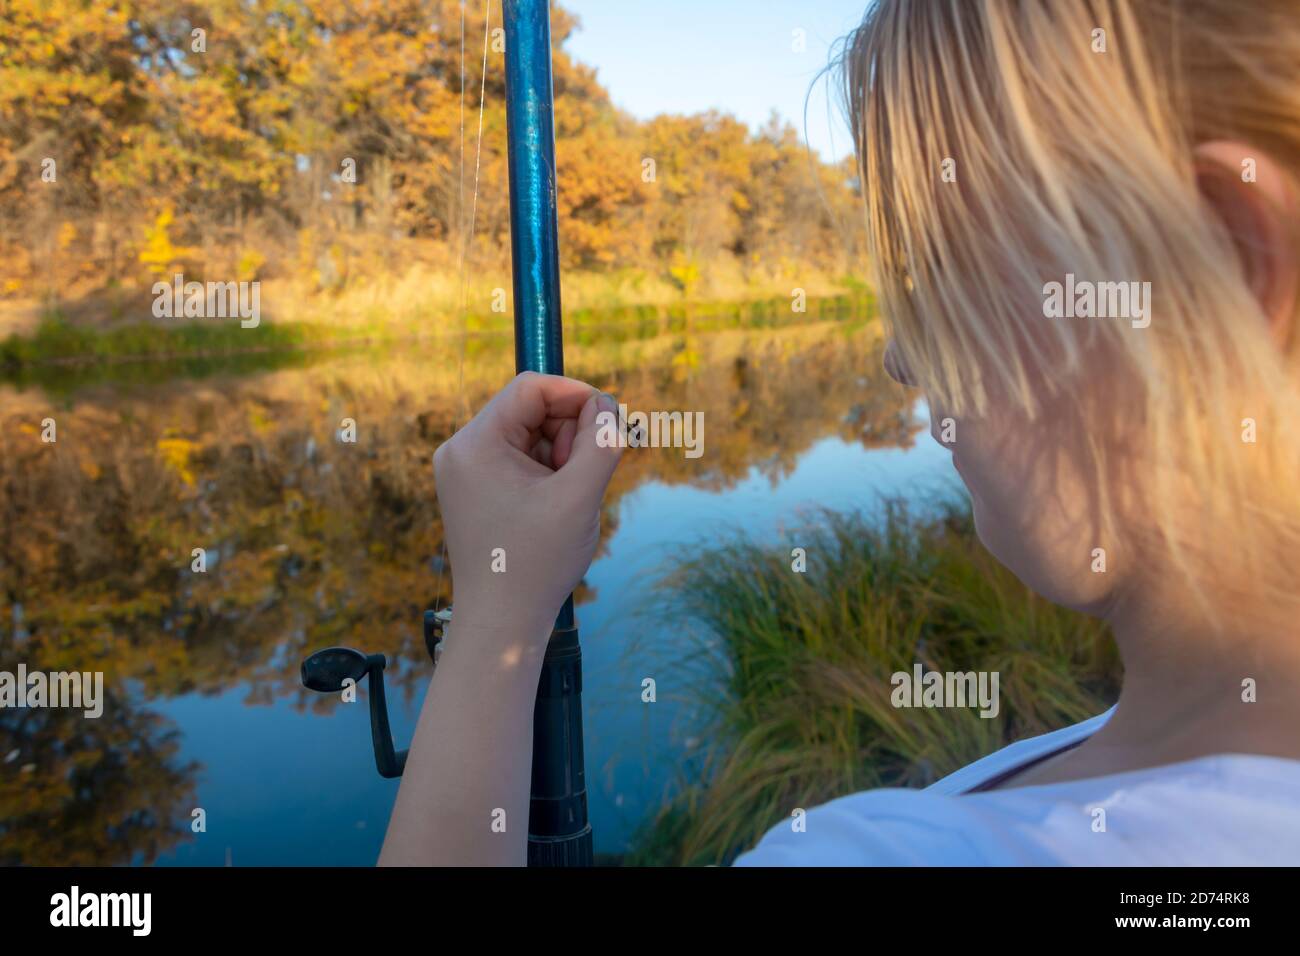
pixel 1257 201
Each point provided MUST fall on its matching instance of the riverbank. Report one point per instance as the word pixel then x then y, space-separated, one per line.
pixel 793 671
pixel 57 339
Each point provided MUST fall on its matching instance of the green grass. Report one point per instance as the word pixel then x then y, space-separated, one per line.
pixel 58 340
pixel 61 355
pixel 792 671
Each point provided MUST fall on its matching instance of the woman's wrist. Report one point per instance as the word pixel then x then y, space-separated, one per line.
pixel 502 622
pixel 500 655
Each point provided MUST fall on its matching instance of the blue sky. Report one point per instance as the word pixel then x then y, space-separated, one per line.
pixel 686 56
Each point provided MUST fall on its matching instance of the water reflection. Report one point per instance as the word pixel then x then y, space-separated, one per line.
pixel 309 541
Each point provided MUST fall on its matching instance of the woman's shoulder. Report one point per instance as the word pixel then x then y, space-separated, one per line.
pixel 1241 808
pixel 896 826
pixel 884 827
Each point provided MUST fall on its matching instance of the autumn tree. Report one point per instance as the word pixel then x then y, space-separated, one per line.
pixel 303 138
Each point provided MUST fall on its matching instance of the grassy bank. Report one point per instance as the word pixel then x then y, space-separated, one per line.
pixel 793 671
pixel 59 340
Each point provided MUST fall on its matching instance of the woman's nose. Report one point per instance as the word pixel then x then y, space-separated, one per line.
pixel 895 367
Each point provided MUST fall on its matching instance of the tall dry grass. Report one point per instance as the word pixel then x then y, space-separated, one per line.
pixel 792 672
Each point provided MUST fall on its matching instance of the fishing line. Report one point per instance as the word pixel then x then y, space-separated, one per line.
pixel 467 238
pixel 460 182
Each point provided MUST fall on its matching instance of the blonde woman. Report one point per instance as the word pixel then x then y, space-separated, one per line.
pixel 1083 222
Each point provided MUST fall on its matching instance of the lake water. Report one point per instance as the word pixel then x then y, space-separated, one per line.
pixel 311 542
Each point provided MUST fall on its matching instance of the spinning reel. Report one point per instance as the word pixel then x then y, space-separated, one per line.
pixel 329 670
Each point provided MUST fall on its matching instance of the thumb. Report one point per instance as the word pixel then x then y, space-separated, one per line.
pixel 597 449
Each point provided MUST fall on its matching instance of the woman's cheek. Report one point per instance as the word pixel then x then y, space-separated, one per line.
pixel 1038 528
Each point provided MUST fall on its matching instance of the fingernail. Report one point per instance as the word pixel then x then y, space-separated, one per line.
pixel 606 403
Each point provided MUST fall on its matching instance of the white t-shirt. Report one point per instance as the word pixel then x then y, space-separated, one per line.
pixel 1224 810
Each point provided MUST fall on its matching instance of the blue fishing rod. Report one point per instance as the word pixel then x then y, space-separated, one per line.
pixel 558 831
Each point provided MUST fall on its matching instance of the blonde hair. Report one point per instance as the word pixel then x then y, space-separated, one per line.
pixel 1073 160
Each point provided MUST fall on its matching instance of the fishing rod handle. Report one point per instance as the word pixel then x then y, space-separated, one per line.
pixel 558 831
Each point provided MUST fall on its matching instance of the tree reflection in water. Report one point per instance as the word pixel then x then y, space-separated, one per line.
pixel 308 541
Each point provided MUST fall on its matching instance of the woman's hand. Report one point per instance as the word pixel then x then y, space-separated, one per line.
pixel 520 490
